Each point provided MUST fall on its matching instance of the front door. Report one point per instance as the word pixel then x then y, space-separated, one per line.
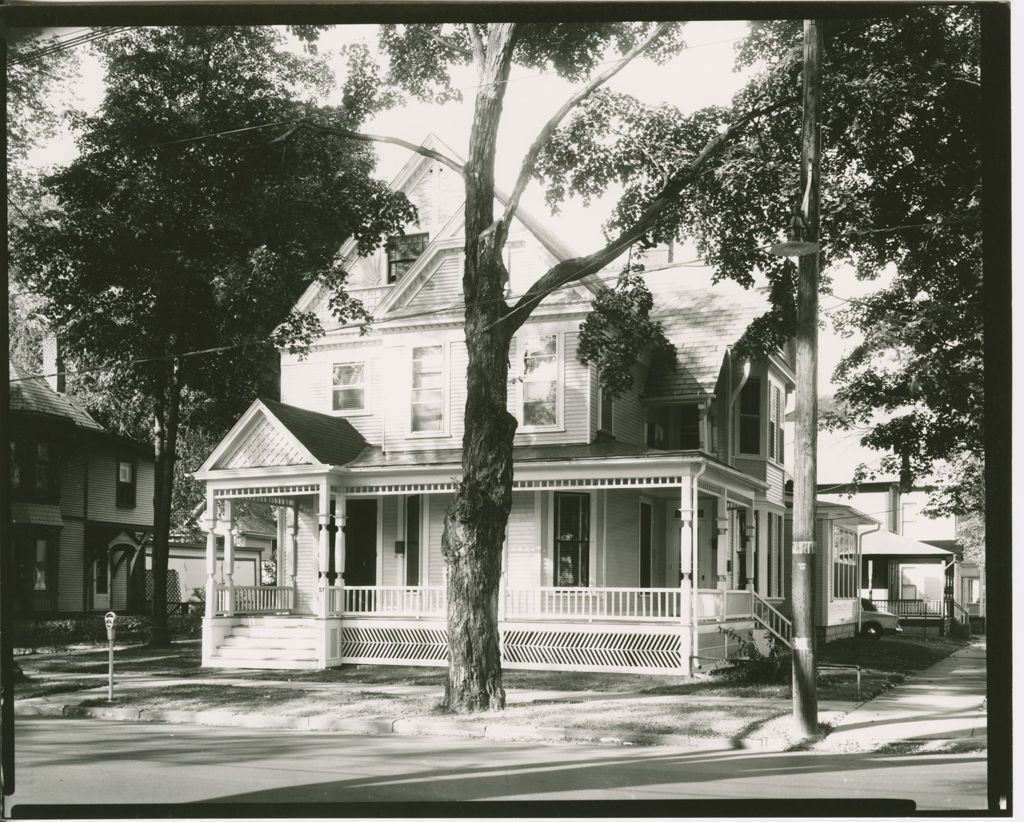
pixel 646 543
pixel 101 581
pixel 361 542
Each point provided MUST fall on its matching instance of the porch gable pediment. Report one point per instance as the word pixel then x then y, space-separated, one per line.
pixel 258 440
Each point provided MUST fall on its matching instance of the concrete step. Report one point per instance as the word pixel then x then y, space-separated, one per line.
pixel 269 664
pixel 297 632
pixel 277 622
pixel 277 654
pixel 299 641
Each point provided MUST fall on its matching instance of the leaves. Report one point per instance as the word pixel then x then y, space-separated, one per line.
pixel 619 332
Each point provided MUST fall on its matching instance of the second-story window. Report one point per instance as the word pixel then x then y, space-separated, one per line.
pixel 44 468
pixel 689 427
pixel 750 417
pixel 403 251
pixel 428 389
pixel 540 381
pixel 348 386
pixel 776 408
pixel 606 410
pixel 15 468
pixel 125 484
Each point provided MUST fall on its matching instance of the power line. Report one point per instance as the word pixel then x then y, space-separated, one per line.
pixel 59 45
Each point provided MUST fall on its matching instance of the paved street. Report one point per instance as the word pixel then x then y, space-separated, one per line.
pixel 91 761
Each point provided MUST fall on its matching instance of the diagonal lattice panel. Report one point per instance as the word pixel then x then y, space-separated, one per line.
pixel 599 649
pixel 394 644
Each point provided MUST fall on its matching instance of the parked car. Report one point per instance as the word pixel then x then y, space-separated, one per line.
pixel 875 621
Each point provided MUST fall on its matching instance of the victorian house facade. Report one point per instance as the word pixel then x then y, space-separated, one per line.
pixel 647 532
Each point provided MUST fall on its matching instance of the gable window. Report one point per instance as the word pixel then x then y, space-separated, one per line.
pixel 403 251
pixel 689 427
pixel 776 409
pixel 750 417
pixel 348 386
pixel 572 540
pixel 125 484
pixel 428 389
pixel 540 381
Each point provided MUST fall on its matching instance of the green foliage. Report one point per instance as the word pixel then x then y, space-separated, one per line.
pixel 752 667
pixel 57 635
pixel 619 332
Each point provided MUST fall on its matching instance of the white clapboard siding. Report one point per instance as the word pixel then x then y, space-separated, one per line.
pixel 595 401
pixel 628 416
pixel 70 568
pixel 622 522
pixel 438 504
pixel 72 483
pixel 441 286
pixel 524 547
pixel 776 479
pixel 305 577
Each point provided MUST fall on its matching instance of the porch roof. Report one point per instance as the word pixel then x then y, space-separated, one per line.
pixel 373 457
pixel 331 440
pixel 886 542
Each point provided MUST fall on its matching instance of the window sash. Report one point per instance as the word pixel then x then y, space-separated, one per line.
pixel 750 417
pixel 348 386
pixel 125 491
pixel 572 540
pixel 427 395
pixel 540 381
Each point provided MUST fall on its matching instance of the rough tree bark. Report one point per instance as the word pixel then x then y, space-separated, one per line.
pixel 165 439
pixel 474 527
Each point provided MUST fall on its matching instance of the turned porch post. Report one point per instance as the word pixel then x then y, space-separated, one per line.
pixel 323 516
pixel 687 572
pixel 751 548
pixel 725 543
pixel 229 555
pixel 339 547
pixel 210 525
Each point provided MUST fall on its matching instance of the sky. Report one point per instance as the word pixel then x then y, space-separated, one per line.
pixel 699 76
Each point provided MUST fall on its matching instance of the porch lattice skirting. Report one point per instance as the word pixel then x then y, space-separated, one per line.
pixel 635 648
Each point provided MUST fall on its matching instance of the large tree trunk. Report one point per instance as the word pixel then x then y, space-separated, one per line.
pixel 475 522
pixel 165 438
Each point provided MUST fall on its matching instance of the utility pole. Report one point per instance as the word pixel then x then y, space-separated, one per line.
pixel 805 469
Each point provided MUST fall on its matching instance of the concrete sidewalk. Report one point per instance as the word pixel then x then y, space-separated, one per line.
pixel 942 708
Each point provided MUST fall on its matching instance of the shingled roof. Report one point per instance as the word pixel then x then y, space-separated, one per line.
pixel 702 319
pixel 33 395
pixel 331 440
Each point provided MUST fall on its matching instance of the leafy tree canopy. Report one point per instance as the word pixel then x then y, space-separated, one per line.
pixel 901 191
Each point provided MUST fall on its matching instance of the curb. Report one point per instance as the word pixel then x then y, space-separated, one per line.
pixel 459 729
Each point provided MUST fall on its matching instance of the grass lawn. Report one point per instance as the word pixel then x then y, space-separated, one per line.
pixel 622 703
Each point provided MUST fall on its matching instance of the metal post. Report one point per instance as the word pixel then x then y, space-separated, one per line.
pixel 805 697
pixel 108 621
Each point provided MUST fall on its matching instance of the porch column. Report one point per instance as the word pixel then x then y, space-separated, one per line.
pixel 280 513
pixel 210 526
pixel 323 516
pixel 750 547
pixel 725 546
pixel 229 555
pixel 339 547
pixel 293 554
pixel 687 572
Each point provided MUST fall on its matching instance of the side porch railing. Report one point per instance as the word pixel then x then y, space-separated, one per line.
pixel 256 599
pixel 913 608
pixel 571 604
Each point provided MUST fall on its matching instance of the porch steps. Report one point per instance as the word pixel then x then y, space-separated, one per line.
pixel 266 642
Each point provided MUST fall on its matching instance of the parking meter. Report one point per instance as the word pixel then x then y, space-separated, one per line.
pixel 109 621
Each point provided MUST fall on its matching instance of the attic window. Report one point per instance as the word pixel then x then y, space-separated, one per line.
pixel 403 251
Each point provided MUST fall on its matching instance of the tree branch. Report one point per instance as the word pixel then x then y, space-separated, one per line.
pixel 381 138
pixel 530 160
pixel 577 268
pixel 478 45
pixel 448 44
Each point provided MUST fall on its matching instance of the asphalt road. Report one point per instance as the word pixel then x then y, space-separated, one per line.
pixel 85 761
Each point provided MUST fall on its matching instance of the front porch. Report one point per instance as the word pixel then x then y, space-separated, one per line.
pixel 638 630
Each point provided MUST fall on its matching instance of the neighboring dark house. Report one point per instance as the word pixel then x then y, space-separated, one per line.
pixel 81 505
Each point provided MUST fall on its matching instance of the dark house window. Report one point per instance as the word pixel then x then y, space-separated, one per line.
pixel 44 469
pixel 605 409
pixel 33 472
pixel 689 427
pixel 403 252
pixel 750 417
pixel 15 469
pixel 572 540
pixel 125 484
pixel 35 570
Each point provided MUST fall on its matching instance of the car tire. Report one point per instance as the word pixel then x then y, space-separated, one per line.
pixel 871 630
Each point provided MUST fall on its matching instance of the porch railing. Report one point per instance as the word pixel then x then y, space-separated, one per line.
pixel 257 599
pixel 921 608
pixel 716 604
pixel 774 620
pixel 394 600
pixel 628 604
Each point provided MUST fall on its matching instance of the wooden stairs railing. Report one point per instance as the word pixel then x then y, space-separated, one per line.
pixel 773 620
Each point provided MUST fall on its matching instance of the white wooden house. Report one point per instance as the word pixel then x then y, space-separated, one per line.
pixel 641 527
